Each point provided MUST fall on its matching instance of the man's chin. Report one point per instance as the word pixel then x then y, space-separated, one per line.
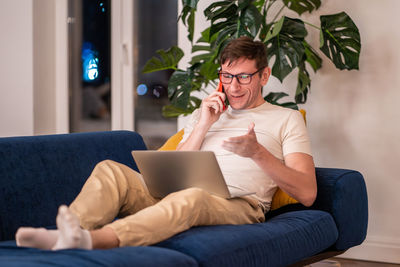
pixel 237 106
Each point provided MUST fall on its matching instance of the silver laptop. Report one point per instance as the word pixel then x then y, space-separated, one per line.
pixel 165 172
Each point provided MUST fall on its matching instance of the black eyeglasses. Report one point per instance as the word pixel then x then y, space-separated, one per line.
pixel 242 78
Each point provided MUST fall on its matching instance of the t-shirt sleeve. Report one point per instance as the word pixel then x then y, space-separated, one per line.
pixel 194 118
pixel 295 138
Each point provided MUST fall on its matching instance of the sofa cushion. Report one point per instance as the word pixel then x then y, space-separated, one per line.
pixel 10 256
pixel 290 236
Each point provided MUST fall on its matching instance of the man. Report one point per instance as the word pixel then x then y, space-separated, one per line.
pixel 259 146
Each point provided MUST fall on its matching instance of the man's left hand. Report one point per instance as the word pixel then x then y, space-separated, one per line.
pixel 244 145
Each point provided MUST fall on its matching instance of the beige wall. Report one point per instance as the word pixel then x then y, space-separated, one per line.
pixel 44 66
pixel 353 116
pixel 16 73
pixel 354 120
pixel 34 89
pixel 33 83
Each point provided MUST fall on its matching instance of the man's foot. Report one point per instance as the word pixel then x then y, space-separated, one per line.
pixel 71 235
pixel 36 237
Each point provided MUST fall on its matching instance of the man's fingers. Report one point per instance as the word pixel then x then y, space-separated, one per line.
pixel 214 103
pixel 228 146
pixel 216 93
pixel 236 139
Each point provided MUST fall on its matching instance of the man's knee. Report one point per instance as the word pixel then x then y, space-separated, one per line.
pixel 106 163
pixel 109 170
pixel 111 166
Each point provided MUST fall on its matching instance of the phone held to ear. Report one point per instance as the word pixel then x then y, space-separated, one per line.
pixel 221 89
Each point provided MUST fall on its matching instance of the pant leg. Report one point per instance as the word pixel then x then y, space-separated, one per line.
pixel 112 190
pixel 181 210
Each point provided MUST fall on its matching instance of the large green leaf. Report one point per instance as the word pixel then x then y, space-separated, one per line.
pixel 265 27
pixel 220 10
pixel 188 15
pixel 197 48
pixel 312 57
pixel 209 70
pixel 285 43
pixel 249 21
pixel 201 58
pixel 274 97
pixel 191 25
pixel 171 111
pixel 190 3
pixel 303 84
pixel 179 88
pixel 188 6
pixel 259 4
pixel 184 13
pixel 222 14
pixel 301 6
pixel 224 35
pixel 169 59
pixel 340 40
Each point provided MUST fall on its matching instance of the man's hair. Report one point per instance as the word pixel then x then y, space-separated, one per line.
pixel 245 47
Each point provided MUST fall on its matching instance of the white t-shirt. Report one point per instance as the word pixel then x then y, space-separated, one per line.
pixel 280 130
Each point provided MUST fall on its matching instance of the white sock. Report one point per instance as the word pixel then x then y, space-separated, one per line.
pixel 36 237
pixel 71 235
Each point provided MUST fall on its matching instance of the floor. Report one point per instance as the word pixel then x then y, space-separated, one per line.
pixel 337 262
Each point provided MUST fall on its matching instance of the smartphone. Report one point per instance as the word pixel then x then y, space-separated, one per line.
pixel 221 89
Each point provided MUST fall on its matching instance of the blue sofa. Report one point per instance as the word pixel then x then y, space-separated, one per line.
pixel 39 173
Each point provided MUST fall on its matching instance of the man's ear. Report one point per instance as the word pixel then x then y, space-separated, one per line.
pixel 266 73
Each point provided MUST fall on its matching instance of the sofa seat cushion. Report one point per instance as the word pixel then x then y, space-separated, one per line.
pixel 282 240
pixel 11 256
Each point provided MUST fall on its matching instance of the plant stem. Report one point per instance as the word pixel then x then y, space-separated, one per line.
pixel 312 25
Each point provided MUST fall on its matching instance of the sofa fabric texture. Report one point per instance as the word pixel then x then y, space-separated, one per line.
pixel 343 194
pixel 305 232
pixel 39 173
pixel 11 256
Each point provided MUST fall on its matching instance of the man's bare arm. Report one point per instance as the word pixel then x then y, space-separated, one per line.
pixel 296 176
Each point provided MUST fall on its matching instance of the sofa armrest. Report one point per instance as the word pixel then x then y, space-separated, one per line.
pixel 343 194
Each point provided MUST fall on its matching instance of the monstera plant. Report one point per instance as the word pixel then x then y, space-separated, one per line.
pixel 284 38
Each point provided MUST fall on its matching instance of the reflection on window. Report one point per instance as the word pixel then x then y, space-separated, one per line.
pixel 90 62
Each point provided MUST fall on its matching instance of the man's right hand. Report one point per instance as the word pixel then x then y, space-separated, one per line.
pixel 211 108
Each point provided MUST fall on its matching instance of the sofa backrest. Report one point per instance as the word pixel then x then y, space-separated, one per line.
pixel 39 173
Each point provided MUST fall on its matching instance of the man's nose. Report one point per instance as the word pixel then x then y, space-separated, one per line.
pixel 235 83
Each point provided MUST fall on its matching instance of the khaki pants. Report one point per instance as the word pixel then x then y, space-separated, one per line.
pixel 115 190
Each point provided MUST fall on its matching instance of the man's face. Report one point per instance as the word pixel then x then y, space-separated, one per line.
pixel 245 96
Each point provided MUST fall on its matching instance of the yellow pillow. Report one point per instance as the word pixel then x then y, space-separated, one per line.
pixel 172 142
pixel 303 112
pixel 281 199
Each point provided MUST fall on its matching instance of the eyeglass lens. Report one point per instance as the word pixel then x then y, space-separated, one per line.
pixel 241 78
